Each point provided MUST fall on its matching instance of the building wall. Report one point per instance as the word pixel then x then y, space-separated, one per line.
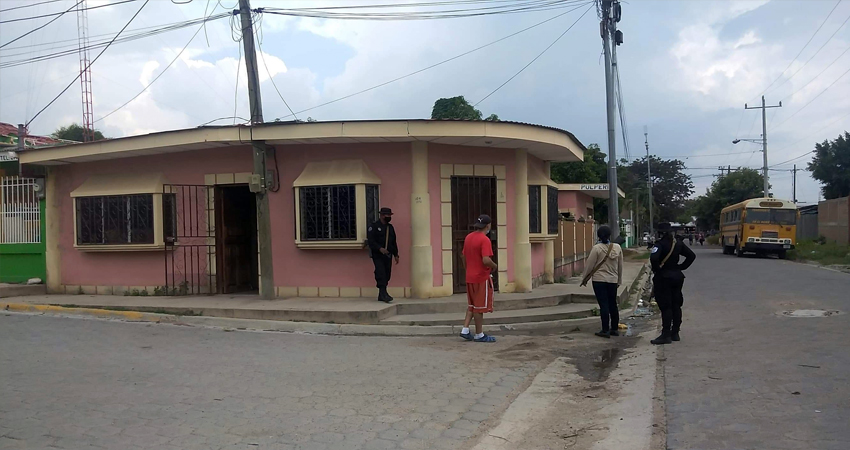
pixel 538 260
pixel 575 202
pixel 834 220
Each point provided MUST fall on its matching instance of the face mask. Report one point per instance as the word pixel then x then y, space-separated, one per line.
pixel 388 219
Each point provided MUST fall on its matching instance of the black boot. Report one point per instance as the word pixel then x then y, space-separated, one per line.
pixel 674 336
pixel 664 338
pixel 383 296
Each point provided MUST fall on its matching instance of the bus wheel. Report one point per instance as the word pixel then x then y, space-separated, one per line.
pixel 783 254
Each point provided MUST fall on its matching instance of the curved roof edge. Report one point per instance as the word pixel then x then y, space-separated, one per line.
pixel 546 143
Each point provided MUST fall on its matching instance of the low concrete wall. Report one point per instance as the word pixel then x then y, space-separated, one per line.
pixel 834 220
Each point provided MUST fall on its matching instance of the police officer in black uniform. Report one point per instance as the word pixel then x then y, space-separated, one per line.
pixel 668 280
pixel 383 249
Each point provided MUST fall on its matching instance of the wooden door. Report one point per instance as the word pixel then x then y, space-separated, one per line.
pixel 471 197
pixel 236 228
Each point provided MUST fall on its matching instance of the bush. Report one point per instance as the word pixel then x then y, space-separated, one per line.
pixel 713 240
pixel 826 254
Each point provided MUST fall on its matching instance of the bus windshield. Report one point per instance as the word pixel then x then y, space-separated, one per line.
pixel 775 216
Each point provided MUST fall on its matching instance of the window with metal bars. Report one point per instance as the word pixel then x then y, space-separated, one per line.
pixel 552 209
pixel 115 220
pixel 534 210
pixel 328 213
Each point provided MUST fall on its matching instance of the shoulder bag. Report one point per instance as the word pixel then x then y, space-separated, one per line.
pixel 590 275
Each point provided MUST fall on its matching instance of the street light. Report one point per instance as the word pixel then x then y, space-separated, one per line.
pixel 755 141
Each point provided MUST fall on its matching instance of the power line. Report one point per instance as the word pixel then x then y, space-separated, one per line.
pixel 363 91
pixel 801 140
pixel 155 78
pixel 42 26
pixel 271 77
pixel 813 99
pixel 20 19
pixel 90 64
pixel 821 73
pixel 29 5
pixel 816 53
pixel 535 58
pixel 802 49
pixel 102 43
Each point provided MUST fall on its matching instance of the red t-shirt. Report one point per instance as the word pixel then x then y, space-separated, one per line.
pixel 475 247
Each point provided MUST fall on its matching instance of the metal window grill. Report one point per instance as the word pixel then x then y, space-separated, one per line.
pixel 328 213
pixel 534 210
pixel 373 201
pixel 20 216
pixel 115 219
pixel 552 211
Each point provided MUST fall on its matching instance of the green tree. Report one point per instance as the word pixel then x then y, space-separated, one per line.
pixel 74 132
pixel 671 186
pixel 831 166
pixel 727 190
pixel 458 108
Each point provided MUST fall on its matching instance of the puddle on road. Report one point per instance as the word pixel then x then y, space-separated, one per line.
pixel 598 366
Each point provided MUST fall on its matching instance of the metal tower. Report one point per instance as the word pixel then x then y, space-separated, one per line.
pixel 85 71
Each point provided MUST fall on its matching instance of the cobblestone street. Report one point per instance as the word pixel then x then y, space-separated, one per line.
pixel 88 384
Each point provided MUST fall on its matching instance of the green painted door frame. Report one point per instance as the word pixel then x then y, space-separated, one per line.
pixel 20 262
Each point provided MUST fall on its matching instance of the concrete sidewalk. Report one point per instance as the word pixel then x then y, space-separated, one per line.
pixel 547 304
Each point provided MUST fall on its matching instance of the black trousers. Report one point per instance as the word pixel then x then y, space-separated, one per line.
pixel 383 270
pixel 668 295
pixel 606 297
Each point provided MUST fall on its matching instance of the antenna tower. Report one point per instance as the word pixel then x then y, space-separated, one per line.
pixel 85 71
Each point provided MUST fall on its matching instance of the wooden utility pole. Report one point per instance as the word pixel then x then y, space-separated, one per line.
pixel 259 179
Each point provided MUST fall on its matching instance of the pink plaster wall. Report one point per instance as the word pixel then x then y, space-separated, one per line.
pixel 391 162
pixel 132 268
pixel 293 267
pixel 575 201
pixel 453 154
pixel 538 259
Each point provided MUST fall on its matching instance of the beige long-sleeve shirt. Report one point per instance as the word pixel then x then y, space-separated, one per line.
pixel 611 270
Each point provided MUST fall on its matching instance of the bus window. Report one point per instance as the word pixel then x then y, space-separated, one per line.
pixel 758 216
pixel 784 216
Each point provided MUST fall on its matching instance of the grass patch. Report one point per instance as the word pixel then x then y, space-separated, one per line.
pixel 826 254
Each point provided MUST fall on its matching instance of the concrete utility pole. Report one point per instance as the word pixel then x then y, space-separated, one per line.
pixel 648 180
pixel 608 30
pixel 794 183
pixel 259 181
pixel 763 108
pixel 22 135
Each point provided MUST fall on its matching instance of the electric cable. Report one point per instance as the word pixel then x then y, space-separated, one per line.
pixel 29 5
pixel 271 77
pixel 43 25
pixel 813 99
pixel 42 16
pixel 87 67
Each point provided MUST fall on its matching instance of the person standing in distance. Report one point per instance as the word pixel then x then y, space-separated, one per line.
pixel 604 266
pixel 478 262
pixel 668 281
pixel 383 249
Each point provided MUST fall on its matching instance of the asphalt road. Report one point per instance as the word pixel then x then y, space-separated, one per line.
pixel 746 377
pixel 91 384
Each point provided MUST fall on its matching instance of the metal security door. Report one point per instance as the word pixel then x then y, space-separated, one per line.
pixel 188 213
pixel 471 197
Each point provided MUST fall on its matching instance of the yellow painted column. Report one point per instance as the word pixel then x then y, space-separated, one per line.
pixel 421 256
pixel 549 263
pixel 522 246
pixel 51 236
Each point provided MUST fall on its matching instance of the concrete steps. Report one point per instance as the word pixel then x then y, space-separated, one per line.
pixel 527 315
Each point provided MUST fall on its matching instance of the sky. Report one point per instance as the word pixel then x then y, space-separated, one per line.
pixel 686 70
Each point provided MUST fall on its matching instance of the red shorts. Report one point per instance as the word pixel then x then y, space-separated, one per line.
pixel 480 296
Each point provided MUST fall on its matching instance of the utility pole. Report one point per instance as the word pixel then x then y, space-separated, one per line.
pixel 763 108
pixel 259 179
pixel 794 184
pixel 22 135
pixel 608 30
pixel 648 180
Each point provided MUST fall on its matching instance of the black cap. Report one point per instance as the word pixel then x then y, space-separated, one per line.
pixel 482 221
pixel 663 227
pixel 386 211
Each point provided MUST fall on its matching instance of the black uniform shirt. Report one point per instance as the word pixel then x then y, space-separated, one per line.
pixel 660 251
pixel 377 238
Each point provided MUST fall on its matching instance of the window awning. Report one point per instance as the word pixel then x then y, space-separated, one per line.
pixel 536 177
pixel 120 184
pixel 326 173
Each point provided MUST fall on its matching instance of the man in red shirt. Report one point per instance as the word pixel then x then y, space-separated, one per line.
pixel 477 258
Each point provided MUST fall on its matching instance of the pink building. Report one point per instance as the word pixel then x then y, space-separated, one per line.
pixel 577 198
pixel 173 212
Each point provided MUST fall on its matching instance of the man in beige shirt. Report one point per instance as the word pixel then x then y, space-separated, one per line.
pixel 604 267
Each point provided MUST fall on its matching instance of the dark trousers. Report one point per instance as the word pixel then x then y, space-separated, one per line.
pixel 606 296
pixel 383 270
pixel 668 295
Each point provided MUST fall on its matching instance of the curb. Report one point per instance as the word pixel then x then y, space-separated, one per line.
pixel 312 327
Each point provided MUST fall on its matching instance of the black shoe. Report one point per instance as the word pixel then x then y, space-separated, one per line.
pixel 664 338
pixel 384 297
pixel 605 334
pixel 675 336
pixel 614 332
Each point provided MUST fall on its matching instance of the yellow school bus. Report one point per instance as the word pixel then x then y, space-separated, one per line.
pixel 759 225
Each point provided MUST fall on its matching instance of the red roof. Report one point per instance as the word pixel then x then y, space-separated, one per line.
pixel 7 129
